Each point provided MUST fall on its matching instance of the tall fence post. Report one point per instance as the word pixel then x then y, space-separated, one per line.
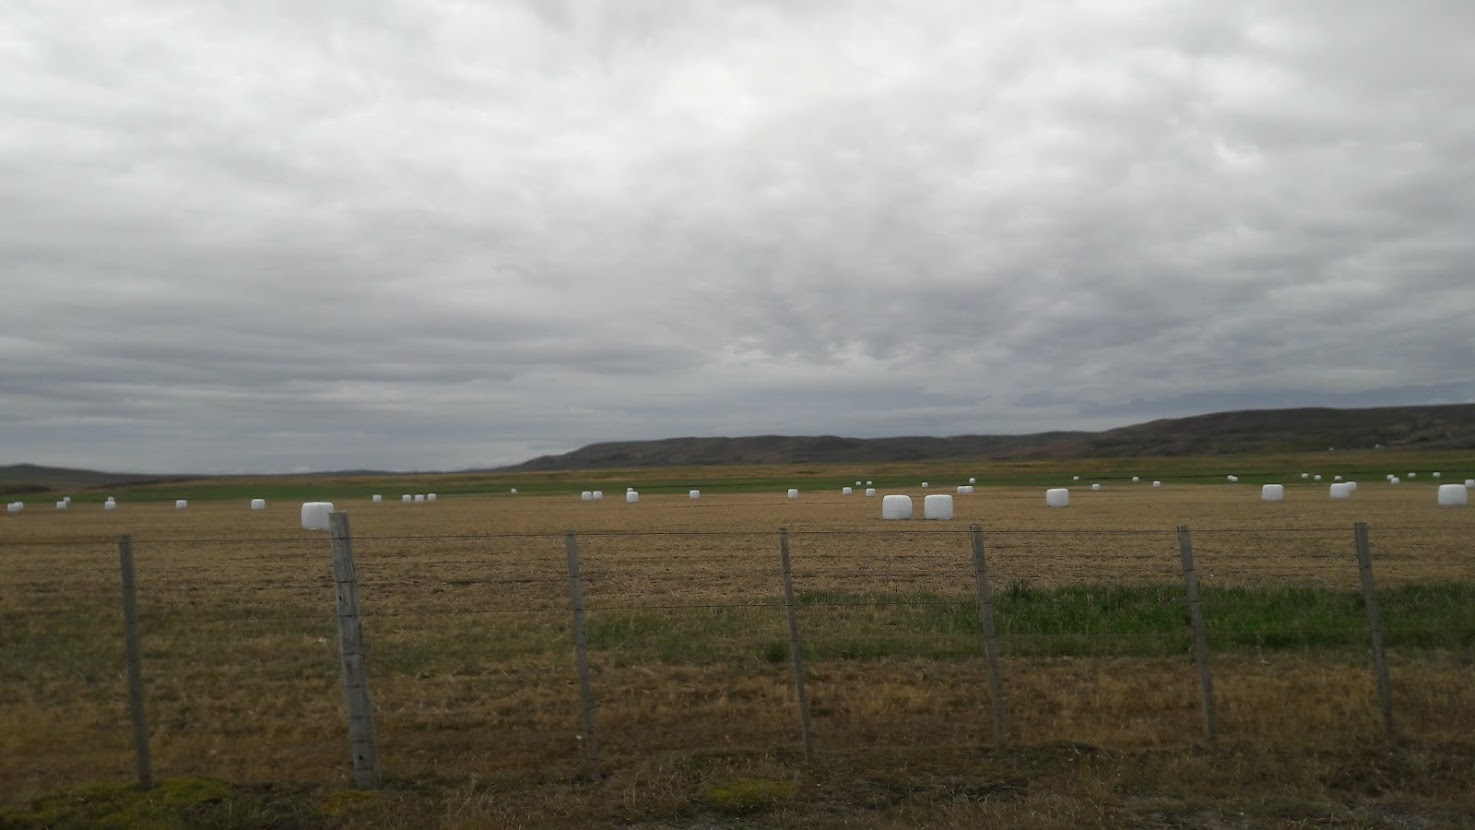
pixel 366 774
pixel 133 654
pixel 1200 633
pixel 990 640
pixel 1375 625
pixel 796 648
pixel 581 658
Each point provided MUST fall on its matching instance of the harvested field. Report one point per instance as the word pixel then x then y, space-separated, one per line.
pixel 471 671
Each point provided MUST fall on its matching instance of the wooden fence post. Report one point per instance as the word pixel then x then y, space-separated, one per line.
pixel 1200 633
pixel 366 774
pixel 581 658
pixel 133 650
pixel 1375 626
pixel 990 640
pixel 796 647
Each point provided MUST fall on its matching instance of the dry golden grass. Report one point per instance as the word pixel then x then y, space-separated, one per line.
pixel 476 701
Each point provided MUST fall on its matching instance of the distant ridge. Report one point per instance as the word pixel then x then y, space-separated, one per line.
pixel 1258 431
pixel 31 478
pixel 1222 433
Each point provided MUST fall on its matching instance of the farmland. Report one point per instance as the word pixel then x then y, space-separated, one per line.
pixel 477 706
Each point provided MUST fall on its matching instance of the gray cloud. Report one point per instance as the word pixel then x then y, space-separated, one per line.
pixel 270 236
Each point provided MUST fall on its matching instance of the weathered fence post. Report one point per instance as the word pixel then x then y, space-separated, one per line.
pixel 1375 625
pixel 796 648
pixel 581 658
pixel 1200 633
pixel 351 651
pixel 133 650
pixel 990 640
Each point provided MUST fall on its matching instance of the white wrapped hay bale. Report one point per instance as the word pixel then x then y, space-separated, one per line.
pixel 1096 488
pixel 847 491
pixel 1057 497
pixel 181 504
pixel 694 494
pixel 1305 475
pixel 587 495
pixel 1436 474
pixel 598 495
pixel 793 494
pixel 1136 479
pixel 1232 479
pixel 315 515
pixel 1393 479
pixel 972 480
pixel 1470 484
pixel 1336 478
pixel 419 498
pixel 896 508
pixel 938 507
pixel 1157 484
pixel 870 491
pixel 924 485
pixel 406 498
pixel 1340 490
pixel 869 482
pixel 63 505
pixel 110 504
pixel 1273 492
pixel 13 507
pixel 1075 478
pixel 1353 485
pixel 857 482
pixel 513 491
pixel 1413 475
pixel 1316 477
pixel 965 489
pixel 430 497
pixel 1453 495
pixel 378 499
pixel 258 504
pixel 631 497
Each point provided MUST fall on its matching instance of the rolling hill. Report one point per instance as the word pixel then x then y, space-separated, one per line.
pixel 1222 433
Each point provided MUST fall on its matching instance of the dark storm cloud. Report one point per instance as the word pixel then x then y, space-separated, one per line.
pixel 273 236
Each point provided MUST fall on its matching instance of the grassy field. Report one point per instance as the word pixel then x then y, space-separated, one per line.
pixel 476 700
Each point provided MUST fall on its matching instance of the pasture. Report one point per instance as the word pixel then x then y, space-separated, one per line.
pixel 470 658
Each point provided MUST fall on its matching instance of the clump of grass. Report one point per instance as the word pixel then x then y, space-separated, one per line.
pixel 341 803
pixel 745 796
pixel 118 805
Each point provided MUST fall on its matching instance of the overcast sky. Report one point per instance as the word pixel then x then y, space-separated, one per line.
pixel 277 236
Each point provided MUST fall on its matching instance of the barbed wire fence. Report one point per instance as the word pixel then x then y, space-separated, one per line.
pixel 484 654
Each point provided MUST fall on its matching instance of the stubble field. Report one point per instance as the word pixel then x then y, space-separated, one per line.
pixel 468 629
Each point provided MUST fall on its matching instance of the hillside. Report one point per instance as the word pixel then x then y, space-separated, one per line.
pixel 31 478
pixel 1221 433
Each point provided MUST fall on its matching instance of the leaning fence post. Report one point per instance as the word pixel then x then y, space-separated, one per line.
pixel 1375 625
pixel 133 650
pixel 1200 633
pixel 990 640
pixel 351 651
pixel 581 658
pixel 796 648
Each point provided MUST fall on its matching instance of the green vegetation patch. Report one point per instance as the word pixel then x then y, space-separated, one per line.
pixel 165 807
pixel 1088 620
pixel 744 796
